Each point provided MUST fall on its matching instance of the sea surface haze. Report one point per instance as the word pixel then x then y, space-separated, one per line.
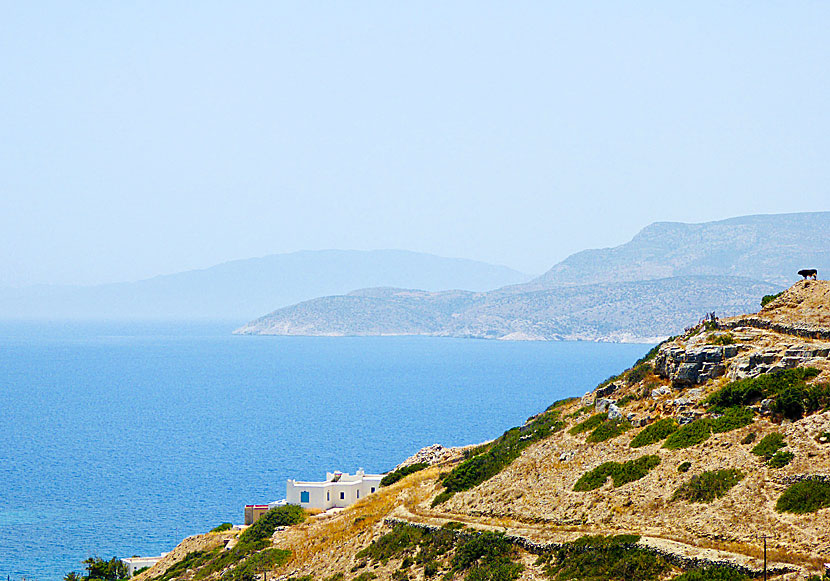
pixel 124 438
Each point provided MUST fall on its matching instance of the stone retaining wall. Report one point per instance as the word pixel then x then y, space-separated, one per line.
pixel 536 548
pixel 789 480
pixel 807 331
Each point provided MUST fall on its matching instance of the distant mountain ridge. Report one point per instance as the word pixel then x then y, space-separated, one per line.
pixel 243 289
pixel 767 248
pixel 663 280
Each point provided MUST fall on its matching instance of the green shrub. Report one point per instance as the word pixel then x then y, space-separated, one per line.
pixel 441 498
pixel 769 445
pixel 335 577
pixel 767 299
pixel 608 430
pixel 749 438
pixel 689 435
pixel 620 473
pixel 365 576
pixel 396 475
pixel 598 558
pixel 501 570
pixel 712 574
pixel 486 546
pixel 431 569
pixel 780 459
pixel 279 516
pixel 823 437
pixel 192 560
pixel 732 419
pixel 652 353
pixel 805 496
pixel 638 373
pixel 708 486
pixel 655 432
pixel 794 401
pixel 255 564
pixel 476 450
pixel 587 425
pixel 400 539
pixel 561 402
pixel 225 526
pixel 684 467
pixel 501 452
pixel 626 399
pixel 751 389
pixel 721 339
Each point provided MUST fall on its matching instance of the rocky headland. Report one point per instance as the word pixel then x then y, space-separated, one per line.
pixel 677 468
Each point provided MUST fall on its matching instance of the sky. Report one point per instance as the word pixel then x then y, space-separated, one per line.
pixel 141 138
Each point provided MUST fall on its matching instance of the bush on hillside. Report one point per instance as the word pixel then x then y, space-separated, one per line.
pixel 767 299
pixel 587 425
pixel 598 558
pixel 708 486
pixel 794 401
pixel 225 526
pixel 501 452
pixel 780 459
pixel 751 389
pixel 638 373
pixel 769 445
pixel 749 438
pixel 805 496
pixel 620 473
pixel 655 432
pixel 732 419
pixel 607 430
pixel 720 339
pixel 279 516
pixel 684 466
pixel 689 435
pixel 400 473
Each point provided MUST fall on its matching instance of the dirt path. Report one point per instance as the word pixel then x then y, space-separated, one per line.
pixel 540 535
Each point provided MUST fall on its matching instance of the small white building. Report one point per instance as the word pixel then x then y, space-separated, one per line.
pixel 340 490
pixel 135 563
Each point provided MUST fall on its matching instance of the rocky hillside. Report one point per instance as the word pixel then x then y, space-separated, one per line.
pixel 671 470
pixel 654 286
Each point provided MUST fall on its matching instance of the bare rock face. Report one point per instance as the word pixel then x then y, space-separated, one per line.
pixel 693 365
pixel 435 454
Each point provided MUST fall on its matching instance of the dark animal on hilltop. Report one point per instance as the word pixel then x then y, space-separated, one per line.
pixel 808 273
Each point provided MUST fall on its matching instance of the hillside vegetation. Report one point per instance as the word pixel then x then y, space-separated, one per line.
pixel 669 470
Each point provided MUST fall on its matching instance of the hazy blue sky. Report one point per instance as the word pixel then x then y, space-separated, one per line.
pixel 139 138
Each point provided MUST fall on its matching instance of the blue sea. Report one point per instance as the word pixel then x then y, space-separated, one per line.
pixel 124 438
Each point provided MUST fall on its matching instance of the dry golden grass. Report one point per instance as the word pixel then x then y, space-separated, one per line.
pixel 326 539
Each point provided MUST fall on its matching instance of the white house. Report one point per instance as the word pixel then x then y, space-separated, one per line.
pixel 338 491
pixel 135 563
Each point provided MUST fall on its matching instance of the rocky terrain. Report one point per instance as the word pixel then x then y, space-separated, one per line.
pixel 663 280
pixel 679 464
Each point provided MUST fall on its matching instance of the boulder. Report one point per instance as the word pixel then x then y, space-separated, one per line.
pixel 602 404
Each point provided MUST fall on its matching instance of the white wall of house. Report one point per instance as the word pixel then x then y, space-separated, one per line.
pixel 135 563
pixel 338 491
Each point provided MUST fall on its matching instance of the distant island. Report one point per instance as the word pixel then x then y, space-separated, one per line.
pixel 242 289
pixel 662 281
